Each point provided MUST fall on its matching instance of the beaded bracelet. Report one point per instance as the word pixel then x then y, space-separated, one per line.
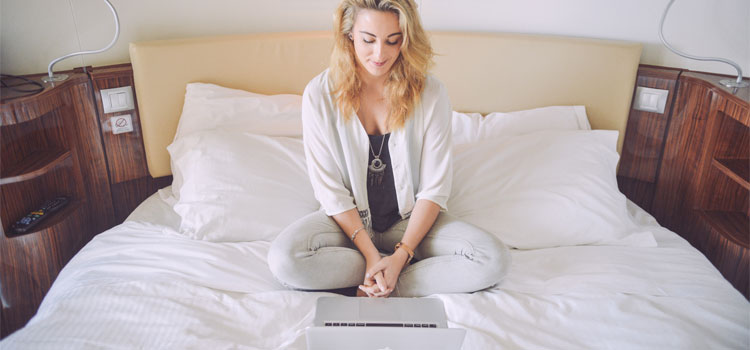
pixel 354 234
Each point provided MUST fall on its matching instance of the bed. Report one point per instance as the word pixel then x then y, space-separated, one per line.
pixel 590 269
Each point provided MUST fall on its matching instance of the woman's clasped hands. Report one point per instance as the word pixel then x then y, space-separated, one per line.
pixel 382 275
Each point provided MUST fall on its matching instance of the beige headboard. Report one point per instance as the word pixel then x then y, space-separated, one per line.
pixel 482 72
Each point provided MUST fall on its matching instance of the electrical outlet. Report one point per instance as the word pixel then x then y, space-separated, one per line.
pixel 650 100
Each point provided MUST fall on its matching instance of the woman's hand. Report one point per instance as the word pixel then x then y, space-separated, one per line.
pixel 373 285
pixel 389 268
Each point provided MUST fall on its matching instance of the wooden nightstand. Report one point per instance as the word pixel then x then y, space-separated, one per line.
pixel 51 146
pixel 723 180
pixel 702 189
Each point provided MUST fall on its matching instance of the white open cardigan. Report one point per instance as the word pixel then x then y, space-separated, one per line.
pixel 337 151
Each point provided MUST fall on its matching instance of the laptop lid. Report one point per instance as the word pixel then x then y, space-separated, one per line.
pixel 399 311
pixel 381 323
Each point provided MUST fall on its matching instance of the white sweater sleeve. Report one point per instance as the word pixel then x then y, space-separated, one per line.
pixel 325 174
pixel 436 169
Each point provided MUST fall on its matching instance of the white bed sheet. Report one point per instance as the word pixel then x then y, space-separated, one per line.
pixel 141 285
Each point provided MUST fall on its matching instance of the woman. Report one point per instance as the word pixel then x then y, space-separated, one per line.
pixel 376 131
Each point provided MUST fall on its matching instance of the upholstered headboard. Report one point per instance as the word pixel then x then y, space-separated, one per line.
pixel 482 72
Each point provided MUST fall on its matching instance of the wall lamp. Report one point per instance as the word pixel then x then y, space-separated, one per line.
pixel 738 83
pixel 51 77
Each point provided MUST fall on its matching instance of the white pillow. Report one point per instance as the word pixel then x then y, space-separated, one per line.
pixel 465 128
pixel 214 107
pixel 545 189
pixel 472 127
pixel 238 186
pixel 209 106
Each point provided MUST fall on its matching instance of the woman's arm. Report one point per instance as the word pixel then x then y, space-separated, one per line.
pixel 422 218
pixel 326 177
pixel 349 221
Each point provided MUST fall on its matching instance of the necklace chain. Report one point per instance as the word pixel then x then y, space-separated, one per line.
pixel 382 142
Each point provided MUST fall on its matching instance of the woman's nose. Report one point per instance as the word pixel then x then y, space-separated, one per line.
pixel 378 51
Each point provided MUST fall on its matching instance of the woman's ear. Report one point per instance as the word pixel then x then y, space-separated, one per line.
pixel 350 36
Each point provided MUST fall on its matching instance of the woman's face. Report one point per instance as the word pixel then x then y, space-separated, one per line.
pixel 377 41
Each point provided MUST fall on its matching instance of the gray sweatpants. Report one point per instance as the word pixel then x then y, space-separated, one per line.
pixel 454 257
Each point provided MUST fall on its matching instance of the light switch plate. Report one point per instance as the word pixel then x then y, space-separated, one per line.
pixel 121 124
pixel 650 100
pixel 117 99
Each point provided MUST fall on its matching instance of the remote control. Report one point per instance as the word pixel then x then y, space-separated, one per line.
pixel 36 216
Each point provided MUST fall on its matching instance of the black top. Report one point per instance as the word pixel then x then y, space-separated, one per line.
pixel 381 195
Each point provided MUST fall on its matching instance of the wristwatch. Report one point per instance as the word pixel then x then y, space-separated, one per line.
pixel 406 248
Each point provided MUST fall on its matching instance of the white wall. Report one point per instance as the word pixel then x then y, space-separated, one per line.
pixel 33 32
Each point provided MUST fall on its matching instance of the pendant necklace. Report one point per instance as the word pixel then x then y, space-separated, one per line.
pixel 377 167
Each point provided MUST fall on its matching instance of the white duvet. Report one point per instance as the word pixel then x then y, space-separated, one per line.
pixel 140 285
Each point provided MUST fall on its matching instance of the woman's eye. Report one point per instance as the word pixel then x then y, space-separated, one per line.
pixel 392 42
pixel 368 42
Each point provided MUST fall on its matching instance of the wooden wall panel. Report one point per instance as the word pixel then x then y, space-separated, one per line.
pixel 682 152
pixel 125 154
pixel 91 153
pixel 129 178
pixel 640 192
pixel 646 131
pixel 644 139
pixel 129 194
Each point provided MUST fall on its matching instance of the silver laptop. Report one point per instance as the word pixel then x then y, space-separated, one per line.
pixel 382 323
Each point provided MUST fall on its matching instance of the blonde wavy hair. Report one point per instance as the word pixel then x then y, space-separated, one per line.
pixel 406 79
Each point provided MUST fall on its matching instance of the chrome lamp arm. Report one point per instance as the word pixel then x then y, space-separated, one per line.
pixel 726 82
pixel 60 77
